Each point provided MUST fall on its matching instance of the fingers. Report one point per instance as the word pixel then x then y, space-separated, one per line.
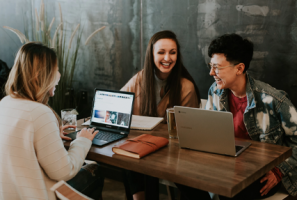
pixel 267 188
pixel 263 179
pixel 68 126
pixel 264 189
pixel 65 137
pixel 87 133
pixel 271 182
pixel 94 134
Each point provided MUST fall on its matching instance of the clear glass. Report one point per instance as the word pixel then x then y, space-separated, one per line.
pixel 171 123
pixel 68 117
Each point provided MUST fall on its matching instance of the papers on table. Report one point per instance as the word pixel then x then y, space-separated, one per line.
pixel 86 123
pixel 144 122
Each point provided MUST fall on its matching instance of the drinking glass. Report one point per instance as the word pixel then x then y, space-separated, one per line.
pixel 68 117
pixel 171 123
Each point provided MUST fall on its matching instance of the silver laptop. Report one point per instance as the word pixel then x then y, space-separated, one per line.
pixel 207 130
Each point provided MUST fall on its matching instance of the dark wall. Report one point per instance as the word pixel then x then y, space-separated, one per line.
pixel 269 24
pixel 115 54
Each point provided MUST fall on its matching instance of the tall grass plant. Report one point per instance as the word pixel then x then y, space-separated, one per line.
pixel 66 49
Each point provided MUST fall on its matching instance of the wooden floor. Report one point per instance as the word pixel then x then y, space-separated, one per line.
pixel 114 190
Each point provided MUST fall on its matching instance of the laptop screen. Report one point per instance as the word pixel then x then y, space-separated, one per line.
pixel 112 109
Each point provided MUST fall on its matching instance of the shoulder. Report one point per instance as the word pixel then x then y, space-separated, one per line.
pixel 137 76
pixel 213 88
pixel 187 85
pixel 188 94
pixel 25 109
pixel 21 104
pixel 134 81
pixel 264 89
pixel 214 91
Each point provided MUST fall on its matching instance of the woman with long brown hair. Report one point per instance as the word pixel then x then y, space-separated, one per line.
pixel 163 83
pixel 33 157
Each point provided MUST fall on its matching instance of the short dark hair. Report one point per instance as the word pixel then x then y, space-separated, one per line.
pixel 234 47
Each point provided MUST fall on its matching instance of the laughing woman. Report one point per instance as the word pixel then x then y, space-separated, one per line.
pixel 163 83
pixel 33 157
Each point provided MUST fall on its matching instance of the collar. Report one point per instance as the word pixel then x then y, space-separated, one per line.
pixel 223 93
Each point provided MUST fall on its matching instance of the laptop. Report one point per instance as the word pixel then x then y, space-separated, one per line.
pixel 111 115
pixel 207 130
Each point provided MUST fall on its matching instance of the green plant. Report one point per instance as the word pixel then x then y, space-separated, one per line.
pixel 67 55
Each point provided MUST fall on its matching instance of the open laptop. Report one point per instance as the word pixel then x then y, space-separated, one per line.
pixel 207 130
pixel 111 115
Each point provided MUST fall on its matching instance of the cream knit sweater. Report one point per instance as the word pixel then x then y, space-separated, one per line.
pixel 32 154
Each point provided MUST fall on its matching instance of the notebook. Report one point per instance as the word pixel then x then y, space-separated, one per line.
pixel 207 130
pixel 111 115
pixel 140 146
pixel 145 123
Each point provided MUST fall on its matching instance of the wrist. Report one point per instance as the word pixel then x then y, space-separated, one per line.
pixel 277 173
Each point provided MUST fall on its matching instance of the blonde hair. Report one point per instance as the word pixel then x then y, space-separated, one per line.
pixel 33 73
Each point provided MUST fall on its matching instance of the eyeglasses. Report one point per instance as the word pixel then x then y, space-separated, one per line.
pixel 217 69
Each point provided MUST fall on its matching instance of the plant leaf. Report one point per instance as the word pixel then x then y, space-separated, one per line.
pixel 94 33
pixel 21 36
pixel 72 36
pixel 55 35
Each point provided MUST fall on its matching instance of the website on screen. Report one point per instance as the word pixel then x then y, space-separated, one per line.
pixel 112 108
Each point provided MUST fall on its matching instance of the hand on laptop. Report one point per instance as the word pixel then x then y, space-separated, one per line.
pixel 87 133
pixel 62 133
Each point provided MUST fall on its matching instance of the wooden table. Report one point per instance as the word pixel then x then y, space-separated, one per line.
pixel 223 175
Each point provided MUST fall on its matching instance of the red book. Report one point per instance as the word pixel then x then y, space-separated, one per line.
pixel 140 146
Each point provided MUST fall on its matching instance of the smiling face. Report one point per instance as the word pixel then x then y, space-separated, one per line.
pixel 58 76
pixel 227 77
pixel 165 56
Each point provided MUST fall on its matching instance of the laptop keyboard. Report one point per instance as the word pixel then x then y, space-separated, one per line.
pixel 108 136
pixel 238 148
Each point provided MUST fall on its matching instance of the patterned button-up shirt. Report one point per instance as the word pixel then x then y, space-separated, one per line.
pixel 269 117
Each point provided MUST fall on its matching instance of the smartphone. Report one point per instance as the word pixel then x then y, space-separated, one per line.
pixel 72 135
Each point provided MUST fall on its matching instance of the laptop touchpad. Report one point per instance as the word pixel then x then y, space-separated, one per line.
pixel 99 142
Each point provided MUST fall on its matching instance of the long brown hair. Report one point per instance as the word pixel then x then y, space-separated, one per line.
pixel 173 86
pixel 33 73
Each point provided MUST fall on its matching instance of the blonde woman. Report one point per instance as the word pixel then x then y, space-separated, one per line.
pixel 32 154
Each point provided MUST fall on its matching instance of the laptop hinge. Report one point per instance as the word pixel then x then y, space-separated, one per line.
pixel 110 130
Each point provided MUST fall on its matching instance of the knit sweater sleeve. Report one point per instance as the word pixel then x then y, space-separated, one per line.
pixel 56 162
